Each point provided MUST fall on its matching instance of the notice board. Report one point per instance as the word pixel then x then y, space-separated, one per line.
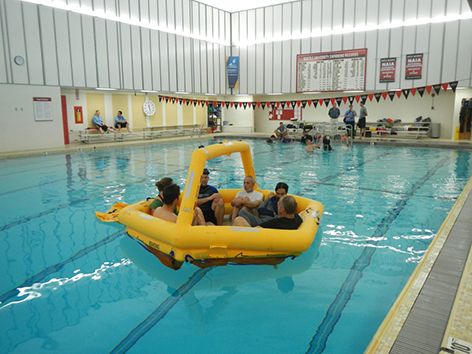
pixel 42 108
pixel 332 71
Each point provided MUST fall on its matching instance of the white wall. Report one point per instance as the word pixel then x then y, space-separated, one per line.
pixel 400 108
pixel 19 129
pixel 72 50
pixel 239 117
pixel 270 67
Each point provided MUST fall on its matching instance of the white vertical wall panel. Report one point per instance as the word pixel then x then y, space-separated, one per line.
pixel 188 55
pixel 156 61
pixel 123 8
pixel 170 14
pixel 137 59
pixel 243 61
pixel 349 15
pixel 371 44
pixel 186 24
pixel 34 58
pixel 259 68
pixel 222 29
pixel 126 52
pixel 286 46
pixel 89 51
pixel 451 36
pixel 180 55
pixel 211 70
pixel 146 59
pixel 268 58
pixel 98 5
pixel 16 40
pixel 251 54
pixel 464 54
pixel 295 45
pixel 202 18
pixel 338 19
pixel 77 54
pixel 63 48
pixel 172 68
pixel 226 54
pixel 164 61
pixel 326 23
pixel 227 24
pixel 179 15
pixel 408 43
pixel 134 9
pixel 422 41
pixel 197 74
pixel 48 41
pixel 281 26
pixel 203 67
pixel 396 37
pixel 216 69
pixel 383 38
pixel 436 45
pixel 360 18
pixel 317 13
pixel 111 7
pixel 102 54
pixel 162 12
pixel 113 58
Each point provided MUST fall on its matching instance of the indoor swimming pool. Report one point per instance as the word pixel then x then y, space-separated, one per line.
pixel 71 284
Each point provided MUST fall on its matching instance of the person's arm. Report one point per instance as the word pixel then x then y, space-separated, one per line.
pixel 251 204
pixel 201 201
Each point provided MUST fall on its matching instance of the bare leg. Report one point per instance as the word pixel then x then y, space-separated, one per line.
pixel 218 207
pixel 240 221
pixel 234 213
pixel 198 218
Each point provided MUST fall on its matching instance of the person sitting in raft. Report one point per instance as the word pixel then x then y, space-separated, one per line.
pixel 287 218
pixel 210 201
pixel 268 209
pixel 249 199
pixel 98 123
pixel 161 184
pixel 166 212
pixel 281 132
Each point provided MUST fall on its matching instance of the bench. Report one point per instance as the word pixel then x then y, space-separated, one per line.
pixel 92 135
pixel 170 131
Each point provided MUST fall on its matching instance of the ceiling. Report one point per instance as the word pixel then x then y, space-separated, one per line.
pixel 239 5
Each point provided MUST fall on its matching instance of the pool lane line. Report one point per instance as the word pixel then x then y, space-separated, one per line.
pixel 158 314
pixel 8 295
pixel 318 342
pixel 40 214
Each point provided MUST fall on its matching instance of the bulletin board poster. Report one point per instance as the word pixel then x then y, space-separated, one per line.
pixel 285 113
pixel 387 70
pixel 413 66
pixel 332 71
pixel 42 108
pixel 232 69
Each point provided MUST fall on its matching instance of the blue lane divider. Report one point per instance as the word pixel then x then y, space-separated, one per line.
pixel 6 296
pixel 140 330
pixel 40 214
pixel 318 342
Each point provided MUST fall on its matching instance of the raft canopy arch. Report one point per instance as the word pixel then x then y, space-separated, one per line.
pixel 195 171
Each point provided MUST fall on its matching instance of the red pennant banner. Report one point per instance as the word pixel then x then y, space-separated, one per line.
pixel 333 101
pixel 277 104
pixel 398 93
pixel 231 104
pixel 309 102
pixel 445 86
pixel 299 103
pixel 258 104
pixel 344 99
pixel 428 89
pixel 320 101
pixel 384 95
pixel 413 91
pixel 370 96
pixel 357 98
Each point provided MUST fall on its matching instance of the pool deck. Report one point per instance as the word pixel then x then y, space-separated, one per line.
pixel 436 302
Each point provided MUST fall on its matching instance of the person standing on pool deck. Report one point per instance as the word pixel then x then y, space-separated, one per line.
pixel 350 120
pixel 210 201
pixel 361 123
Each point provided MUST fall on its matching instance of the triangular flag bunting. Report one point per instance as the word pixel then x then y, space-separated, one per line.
pixel 226 105
pixel 333 101
pixel 309 102
pixel 406 92
pixel 398 93
pixel 413 91
pixel 339 100
pixel 391 94
pixel 277 104
pixel 258 104
pixel 241 104
pixel 167 99
pixel 287 103
pixel 315 103
pixel 245 105
pixel 350 99
pixel 370 96
pixel 194 103
pixel 253 104
pixel 377 96
pixel 384 95
pixel 180 101
pixel 173 100
pixel 298 103
pixel 283 104
pixel 320 101
pixel 429 88
pixel 421 90
pixel 445 86
pixel 293 103
pixel 326 102
pixel 363 98
pixel 344 99
pixel 303 104
pixel 231 104
pixel 263 104
pixel 453 85
pixel 357 98
pixel 437 88
pixel 160 98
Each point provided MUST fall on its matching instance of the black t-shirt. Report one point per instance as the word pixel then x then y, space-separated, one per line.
pixel 205 192
pixel 283 223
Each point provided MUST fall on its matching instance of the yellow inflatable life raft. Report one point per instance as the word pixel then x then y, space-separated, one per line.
pixel 175 243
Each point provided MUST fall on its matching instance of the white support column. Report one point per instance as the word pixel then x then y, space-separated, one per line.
pixel 108 114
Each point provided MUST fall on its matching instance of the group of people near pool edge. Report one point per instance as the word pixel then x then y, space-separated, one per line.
pixel 281 133
pixel 119 122
pixel 278 211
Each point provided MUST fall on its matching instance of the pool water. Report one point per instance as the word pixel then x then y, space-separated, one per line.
pixel 71 284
